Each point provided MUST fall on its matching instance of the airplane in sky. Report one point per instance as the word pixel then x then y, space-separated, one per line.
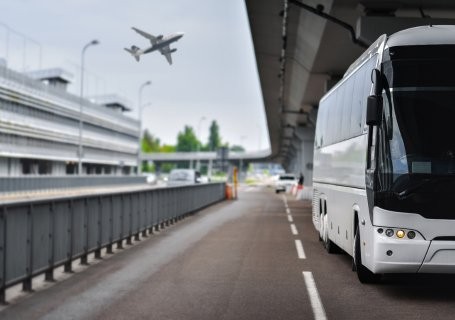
pixel 160 43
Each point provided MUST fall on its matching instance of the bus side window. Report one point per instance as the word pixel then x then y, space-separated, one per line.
pixel 347 109
pixel 357 102
pixel 338 113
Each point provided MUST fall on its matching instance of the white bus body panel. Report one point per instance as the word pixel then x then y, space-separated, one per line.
pixel 339 179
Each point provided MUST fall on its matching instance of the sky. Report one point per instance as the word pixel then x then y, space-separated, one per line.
pixel 213 76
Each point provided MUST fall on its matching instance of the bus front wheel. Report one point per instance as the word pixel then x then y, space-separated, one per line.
pixel 364 275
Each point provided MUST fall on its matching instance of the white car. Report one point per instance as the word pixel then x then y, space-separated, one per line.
pixel 284 182
pixel 179 177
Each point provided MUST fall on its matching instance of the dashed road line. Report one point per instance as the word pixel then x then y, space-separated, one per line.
pixel 294 230
pixel 300 251
pixel 315 299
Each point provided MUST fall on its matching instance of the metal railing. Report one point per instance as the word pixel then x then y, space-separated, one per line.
pixel 33 183
pixel 38 236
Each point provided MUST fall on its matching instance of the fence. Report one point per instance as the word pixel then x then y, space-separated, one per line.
pixel 17 184
pixel 38 236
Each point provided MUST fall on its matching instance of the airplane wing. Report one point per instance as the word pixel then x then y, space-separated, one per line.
pixel 166 51
pixel 152 38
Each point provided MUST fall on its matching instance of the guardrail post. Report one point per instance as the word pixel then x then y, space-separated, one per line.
pixel 27 283
pixel 84 258
pixel 135 198
pixel 68 266
pixel 49 274
pixel 111 226
pixel 150 210
pixel 3 223
pixel 130 217
pixel 99 228
pixel 122 225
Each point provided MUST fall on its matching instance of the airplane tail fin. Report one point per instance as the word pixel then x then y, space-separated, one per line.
pixel 134 52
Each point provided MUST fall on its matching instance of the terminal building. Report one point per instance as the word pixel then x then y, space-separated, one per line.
pixel 39 128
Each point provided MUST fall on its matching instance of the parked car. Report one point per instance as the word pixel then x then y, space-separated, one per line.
pixel 183 177
pixel 285 181
pixel 150 178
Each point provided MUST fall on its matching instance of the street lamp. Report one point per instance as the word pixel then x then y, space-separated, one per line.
pixel 140 107
pixel 81 105
pixel 242 138
pixel 198 163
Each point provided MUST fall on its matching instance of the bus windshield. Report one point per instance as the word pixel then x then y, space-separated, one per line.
pixel 423 130
pixel 419 109
pixel 416 139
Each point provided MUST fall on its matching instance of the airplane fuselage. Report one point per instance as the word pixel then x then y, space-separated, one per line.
pixel 164 42
pixel 159 43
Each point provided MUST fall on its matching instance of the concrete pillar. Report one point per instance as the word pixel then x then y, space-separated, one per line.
pixel 305 153
pixel 209 168
pixel 4 167
pixel 14 167
pixel 58 168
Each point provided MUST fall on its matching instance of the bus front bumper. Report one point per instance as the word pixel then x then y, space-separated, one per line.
pixel 422 254
pixel 413 256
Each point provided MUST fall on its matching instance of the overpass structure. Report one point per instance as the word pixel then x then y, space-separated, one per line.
pixel 207 157
pixel 203 156
pixel 303 47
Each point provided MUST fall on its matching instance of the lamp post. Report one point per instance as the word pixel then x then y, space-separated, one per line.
pixel 242 138
pixel 198 163
pixel 81 104
pixel 140 106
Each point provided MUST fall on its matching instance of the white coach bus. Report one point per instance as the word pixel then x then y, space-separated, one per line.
pixel 384 157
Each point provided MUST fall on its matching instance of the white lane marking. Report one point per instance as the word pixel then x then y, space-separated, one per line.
pixel 288 211
pixel 315 299
pixel 294 230
pixel 290 218
pixel 299 247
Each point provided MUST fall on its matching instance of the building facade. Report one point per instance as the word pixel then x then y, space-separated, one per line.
pixel 39 128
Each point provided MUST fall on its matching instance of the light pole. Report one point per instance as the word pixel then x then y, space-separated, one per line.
pixel 241 160
pixel 140 106
pixel 81 104
pixel 198 163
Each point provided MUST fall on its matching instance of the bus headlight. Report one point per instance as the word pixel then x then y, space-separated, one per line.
pixel 400 234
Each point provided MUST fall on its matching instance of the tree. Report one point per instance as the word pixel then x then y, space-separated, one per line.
pixel 214 136
pixel 187 140
pixel 237 148
pixel 167 148
pixel 149 143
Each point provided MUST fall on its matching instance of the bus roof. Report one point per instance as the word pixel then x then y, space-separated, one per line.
pixel 423 35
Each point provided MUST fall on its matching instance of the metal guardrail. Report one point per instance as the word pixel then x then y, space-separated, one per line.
pixel 19 184
pixel 38 236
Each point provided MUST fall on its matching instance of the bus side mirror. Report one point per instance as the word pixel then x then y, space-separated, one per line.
pixel 373 108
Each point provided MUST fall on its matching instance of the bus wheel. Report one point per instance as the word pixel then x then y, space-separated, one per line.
pixel 330 247
pixel 364 275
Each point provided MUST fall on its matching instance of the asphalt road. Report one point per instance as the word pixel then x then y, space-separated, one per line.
pixel 255 258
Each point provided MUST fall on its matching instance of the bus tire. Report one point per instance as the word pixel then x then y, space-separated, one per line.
pixel 364 275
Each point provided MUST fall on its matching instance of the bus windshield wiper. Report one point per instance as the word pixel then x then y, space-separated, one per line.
pixel 425 182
